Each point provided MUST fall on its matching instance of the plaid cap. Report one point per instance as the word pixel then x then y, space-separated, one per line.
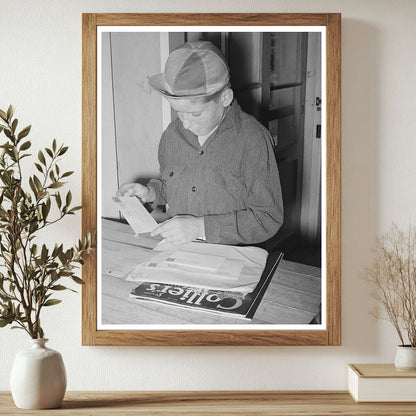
pixel 194 69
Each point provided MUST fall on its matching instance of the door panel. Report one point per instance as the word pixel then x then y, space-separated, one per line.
pixel 268 73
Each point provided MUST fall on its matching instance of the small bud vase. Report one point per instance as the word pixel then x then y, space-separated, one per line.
pixel 38 377
pixel 405 358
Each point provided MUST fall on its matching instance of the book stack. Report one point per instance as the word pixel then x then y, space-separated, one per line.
pixel 381 383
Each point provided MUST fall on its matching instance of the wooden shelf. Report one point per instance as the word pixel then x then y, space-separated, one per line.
pixel 178 403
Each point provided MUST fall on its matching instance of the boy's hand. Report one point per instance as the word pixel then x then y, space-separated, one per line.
pixel 145 193
pixel 181 229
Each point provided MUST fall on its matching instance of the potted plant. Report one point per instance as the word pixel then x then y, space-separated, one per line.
pixel 393 277
pixel 31 273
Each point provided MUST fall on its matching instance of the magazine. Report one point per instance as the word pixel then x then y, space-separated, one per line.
pixel 229 302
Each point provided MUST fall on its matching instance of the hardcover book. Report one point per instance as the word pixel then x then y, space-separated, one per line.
pixel 381 383
pixel 236 303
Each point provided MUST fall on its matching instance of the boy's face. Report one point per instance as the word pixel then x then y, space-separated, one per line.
pixel 198 116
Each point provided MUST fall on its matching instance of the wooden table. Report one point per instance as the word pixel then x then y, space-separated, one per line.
pixel 293 296
pixel 270 403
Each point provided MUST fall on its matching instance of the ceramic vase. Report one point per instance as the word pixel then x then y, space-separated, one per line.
pixel 405 358
pixel 38 377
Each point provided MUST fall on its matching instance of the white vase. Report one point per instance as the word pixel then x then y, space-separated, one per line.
pixel 38 377
pixel 405 358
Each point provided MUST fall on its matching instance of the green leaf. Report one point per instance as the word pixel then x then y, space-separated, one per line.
pixel 5 298
pixel 62 257
pixel 5 321
pixel 49 152
pixel 45 210
pixel 57 250
pixel 14 125
pixel 25 145
pixel 37 182
pixel 41 157
pixel 58 199
pixel 24 133
pixel 40 332
pixel 72 210
pixel 3 115
pixel 76 279
pixel 59 287
pixel 44 253
pixel 56 185
pixel 54 145
pixel 39 167
pixel 34 249
pixel 51 302
pixel 63 150
pixel 67 174
pixel 8 133
pixel 68 199
pixel 33 187
pixel 10 112
pixel 66 273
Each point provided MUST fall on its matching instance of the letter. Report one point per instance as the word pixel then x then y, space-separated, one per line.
pixel 176 291
pixel 153 287
pixel 200 299
pixel 238 303
pixel 213 297
pixel 191 299
pixel 186 294
pixel 165 289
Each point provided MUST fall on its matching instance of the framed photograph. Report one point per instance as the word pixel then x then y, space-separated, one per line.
pixel 222 130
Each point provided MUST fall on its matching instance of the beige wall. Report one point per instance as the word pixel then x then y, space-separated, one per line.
pixel 40 74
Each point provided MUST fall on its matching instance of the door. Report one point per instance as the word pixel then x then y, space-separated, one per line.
pixel 269 76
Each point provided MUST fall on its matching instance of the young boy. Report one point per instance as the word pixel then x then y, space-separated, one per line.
pixel 219 176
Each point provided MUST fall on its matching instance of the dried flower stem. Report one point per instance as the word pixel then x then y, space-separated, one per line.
pixel 393 276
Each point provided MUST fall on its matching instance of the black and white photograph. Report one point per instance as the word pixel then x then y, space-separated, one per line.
pixel 211 178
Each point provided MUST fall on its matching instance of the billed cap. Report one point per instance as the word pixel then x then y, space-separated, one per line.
pixel 194 69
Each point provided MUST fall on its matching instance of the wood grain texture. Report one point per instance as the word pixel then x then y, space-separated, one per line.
pixel 89 172
pixel 330 336
pixel 381 371
pixel 211 19
pixel 259 403
pixel 333 175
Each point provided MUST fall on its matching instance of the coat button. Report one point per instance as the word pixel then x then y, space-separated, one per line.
pixel 170 174
pixel 201 152
pixel 194 189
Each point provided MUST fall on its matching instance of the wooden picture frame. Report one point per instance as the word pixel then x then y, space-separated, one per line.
pixel 330 333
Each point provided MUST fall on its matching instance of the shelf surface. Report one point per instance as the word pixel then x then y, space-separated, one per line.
pixel 179 403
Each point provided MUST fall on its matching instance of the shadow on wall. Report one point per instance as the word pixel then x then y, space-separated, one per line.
pixel 360 179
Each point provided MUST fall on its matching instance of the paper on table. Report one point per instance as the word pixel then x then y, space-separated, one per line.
pixel 250 254
pixel 240 272
pixel 136 214
pixel 227 269
pixel 195 260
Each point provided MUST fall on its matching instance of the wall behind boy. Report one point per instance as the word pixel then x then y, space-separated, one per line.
pixel 40 73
